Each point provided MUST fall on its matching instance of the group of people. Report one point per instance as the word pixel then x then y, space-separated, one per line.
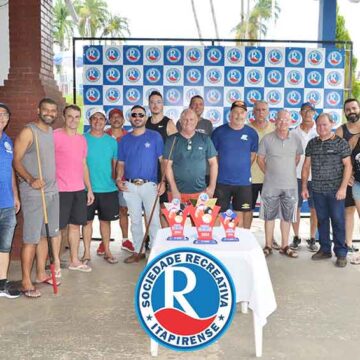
pixel 112 173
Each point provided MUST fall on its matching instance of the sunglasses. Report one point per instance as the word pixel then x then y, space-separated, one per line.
pixel 139 115
pixel 189 147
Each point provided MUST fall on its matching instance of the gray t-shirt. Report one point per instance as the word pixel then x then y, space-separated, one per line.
pixel 280 157
pixel 204 126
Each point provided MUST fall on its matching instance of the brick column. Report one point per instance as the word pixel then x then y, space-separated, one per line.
pixel 31 74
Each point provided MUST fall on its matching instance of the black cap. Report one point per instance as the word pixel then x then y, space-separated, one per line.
pixel 3 106
pixel 239 104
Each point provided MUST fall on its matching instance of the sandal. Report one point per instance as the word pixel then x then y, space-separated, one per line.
pixel 355 260
pixel 288 252
pixel 267 251
pixel 85 261
pixel 111 259
pixel 31 293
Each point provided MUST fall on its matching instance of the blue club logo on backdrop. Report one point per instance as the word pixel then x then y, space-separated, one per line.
pixel 133 75
pixel 214 116
pixel 153 54
pixel 112 54
pixel 274 77
pixel 213 76
pixel 274 97
pixel 253 96
pixel 132 95
pixel 173 96
pixel 315 57
pixel 153 75
pixel 234 76
pixel 295 118
pixel 172 114
pixel 233 95
pixel 93 95
pixel 314 78
pixel 191 92
pixel 193 55
pixel 294 77
pixel 275 57
pixel 314 97
pixel 295 57
pixel 294 98
pixel 133 54
pixel 334 78
pixel 92 74
pixel 112 75
pixel 92 54
pixel 336 117
pixel 254 56
pixel 213 96
pixel 173 75
pixel 335 58
pixel 272 116
pixel 333 98
pixel 193 76
pixel 112 95
pixel 214 56
pixel 173 55
pixel 254 77
pixel 234 56
pixel 185 299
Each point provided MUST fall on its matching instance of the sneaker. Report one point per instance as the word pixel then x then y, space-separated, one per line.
pixel 320 255
pixel 128 246
pixel 275 245
pixel 101 249
pixel 352 249
pixel 8 292
pixel 311 245
pixel 341 261
pixel 295 244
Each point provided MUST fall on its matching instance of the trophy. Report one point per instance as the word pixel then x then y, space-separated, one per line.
pixel 229 221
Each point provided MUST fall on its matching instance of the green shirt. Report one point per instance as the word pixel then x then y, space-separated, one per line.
pixel 190 157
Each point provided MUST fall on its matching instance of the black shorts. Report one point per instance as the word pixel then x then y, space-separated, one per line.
pixel 238 196
pixel 256 191
pixel 72 208
pixel 106 205
pixel 349 200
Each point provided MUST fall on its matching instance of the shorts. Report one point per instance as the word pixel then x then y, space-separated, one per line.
pixel 106 205
pixel 349 200
pixel 356 191
pixel 73 209
pixel 279 204
pixel 186 198
pixel 34 227
pixel 7 227
pixel 300 199
pixel 256 191
pixel 237 196
pixel 122 201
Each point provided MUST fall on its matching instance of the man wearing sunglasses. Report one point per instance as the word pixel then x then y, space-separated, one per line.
pixel 138 155
pixel 186 169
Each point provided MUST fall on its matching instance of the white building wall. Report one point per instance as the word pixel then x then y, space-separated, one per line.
pixel 4 42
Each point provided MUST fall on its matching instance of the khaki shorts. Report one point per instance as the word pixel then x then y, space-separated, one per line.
pixel 34 226
pixel 279 204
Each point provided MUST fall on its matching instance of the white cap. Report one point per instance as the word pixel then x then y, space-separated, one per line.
pixel 97 110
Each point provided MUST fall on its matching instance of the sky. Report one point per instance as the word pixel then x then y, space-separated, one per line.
pixel 298 19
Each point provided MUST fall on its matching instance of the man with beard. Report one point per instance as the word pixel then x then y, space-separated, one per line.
pixel 347 131
pixel 26 165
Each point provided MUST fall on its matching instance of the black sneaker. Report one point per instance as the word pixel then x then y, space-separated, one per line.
pixel 341 261
pixel 352 249
pixel 275 245
pixel 8 292
pixel 320 255
pixel 295 244
pixel 311 245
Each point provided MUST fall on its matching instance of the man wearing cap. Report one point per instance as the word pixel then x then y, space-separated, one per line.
pixel 116 118
pixel 236 145
pixel 186 169
pixel 305 131
pixel 278 155
pixel 72 176
pixel 347 131
pixel 101 161
pixel 9 204
pixel 138 156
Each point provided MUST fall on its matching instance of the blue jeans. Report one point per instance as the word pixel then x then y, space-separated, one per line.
pixel 137 197
pixel 327 207
pixel 7 226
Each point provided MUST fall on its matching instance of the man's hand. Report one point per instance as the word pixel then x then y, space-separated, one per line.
pixel 16 204
pixel 37 184
pixel 210 191
pixel 161 188
pixel 121 185
pixel 351 181
pixel 341 194
pixel 90 198
pixel 176 195
pixel 305 194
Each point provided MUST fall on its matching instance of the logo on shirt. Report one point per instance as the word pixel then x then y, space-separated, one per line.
pixel 244 137
pixel 8 147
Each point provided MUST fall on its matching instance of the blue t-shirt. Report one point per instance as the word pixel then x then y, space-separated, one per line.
pixel 140 155
pixel 234 149
pixel 101 152
pixel 6 157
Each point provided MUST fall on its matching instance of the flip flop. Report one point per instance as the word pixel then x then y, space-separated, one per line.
pixel 48 281
pixel 58 274
pixel 355 260
pixel 81 267
pixel 31 293
pixel 111 259
pixel 85 261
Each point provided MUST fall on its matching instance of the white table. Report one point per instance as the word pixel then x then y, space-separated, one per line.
pixel 247 266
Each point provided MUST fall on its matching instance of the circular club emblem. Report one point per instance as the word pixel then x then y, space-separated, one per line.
pixel 213 96
pixel 214 116
pixel 112 95
pixel 315 57
pixel 173 55
pixel 173 75
pixel 92 54
pixel 274 77
pixel 335 58
pixel 295 57
pixel 253 96
pixel 132 54
pixel 173 96
pixel 213 76
pixel 273 97
pixel 234 76
pixel 314 78
pixel 254 77
pixel 132 95
pixel 333 98
pixel 185 299
pixel 254 56
pixel 233 95
pixel 133 75
pixel 112 75
pixel 272 116
pixel 234 56
pixel 92 74
pixel 193 76
pixel 274 57
pixel 293 97
pixel 295 118
pixel 112 54
pixel 193 55
pixel 153 54
pixel 294 77
pixel 92 95
pixel 336 117
pixel 152 75
pixel 214 56
pixel 172 114
pixel 314 97
pixel 191 92
pixel 334 78
pixel 250 118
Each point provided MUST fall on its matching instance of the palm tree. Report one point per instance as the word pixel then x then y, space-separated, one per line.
pixel 116 26
pixel 63 26
pixel 254 27
pixel 214 18
pixel 196 20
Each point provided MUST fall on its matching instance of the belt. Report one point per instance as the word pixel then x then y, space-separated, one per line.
pixel 138 181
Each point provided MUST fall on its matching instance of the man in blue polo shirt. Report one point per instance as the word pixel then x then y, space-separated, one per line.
pixel 138 156
pixel 236 144
pixel 9 204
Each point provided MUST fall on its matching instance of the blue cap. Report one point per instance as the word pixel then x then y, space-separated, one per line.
pixel 308 104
